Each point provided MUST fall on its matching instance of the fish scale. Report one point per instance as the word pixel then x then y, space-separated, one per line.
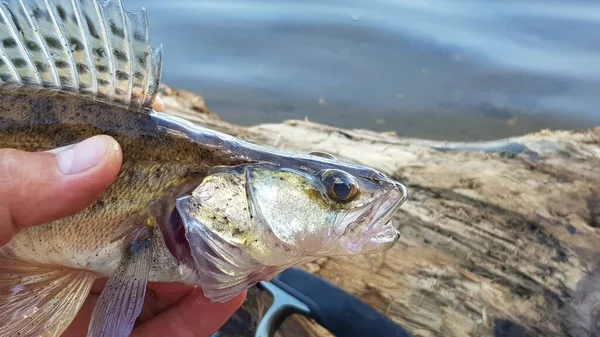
pixel 189 205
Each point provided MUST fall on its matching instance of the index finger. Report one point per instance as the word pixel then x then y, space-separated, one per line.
pixel 194 315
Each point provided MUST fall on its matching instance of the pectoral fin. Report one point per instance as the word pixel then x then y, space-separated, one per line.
pixel 121 301
pixel 40 301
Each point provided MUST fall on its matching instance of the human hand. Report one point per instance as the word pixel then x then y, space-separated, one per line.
pixel 170 309
pixel 28 181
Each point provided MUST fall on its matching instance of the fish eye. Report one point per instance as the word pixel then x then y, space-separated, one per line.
pixel 323 155
pixel 340 186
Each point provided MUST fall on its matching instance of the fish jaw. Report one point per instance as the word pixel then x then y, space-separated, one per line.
pixel 376 230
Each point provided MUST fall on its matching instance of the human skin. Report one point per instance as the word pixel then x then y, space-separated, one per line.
pixel 39 187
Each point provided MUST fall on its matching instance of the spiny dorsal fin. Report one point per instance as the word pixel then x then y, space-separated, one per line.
pixel 94 47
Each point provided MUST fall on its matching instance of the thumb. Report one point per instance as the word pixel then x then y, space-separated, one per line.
pixel 39 187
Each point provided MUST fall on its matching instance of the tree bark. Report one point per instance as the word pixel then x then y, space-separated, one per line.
pixel 498 239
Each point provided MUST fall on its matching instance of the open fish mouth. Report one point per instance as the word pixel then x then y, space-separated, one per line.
pixel 368 229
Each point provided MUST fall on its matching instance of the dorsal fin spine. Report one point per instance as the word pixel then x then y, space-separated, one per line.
pixel 148 63
pixel 154 74
pixel 110 56
pixel 22 30
pixel 103 36
pixel 108 16
pixel 47 49
pixel 87 46
pixel 7 64
pixel 63 39
pixel 93 47
pixel 9 22
pixel 131 55
pixel 36 32
pixel 139 55
pixel 128 45
pixel 21 44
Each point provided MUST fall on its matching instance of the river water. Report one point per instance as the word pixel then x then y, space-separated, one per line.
pixel 439 69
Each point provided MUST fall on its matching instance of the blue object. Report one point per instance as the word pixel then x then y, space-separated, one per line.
pixel 295 291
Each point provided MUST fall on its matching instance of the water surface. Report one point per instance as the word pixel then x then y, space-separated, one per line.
pixel 441 69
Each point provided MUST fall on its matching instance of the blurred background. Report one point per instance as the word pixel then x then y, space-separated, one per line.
pixel 438 69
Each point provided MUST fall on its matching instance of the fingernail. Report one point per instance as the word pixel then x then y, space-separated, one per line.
pixel 81 156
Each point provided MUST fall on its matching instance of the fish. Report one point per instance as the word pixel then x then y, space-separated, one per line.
pixel 190 204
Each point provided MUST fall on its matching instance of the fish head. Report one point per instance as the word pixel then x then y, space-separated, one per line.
pixel 335 210
pixel 261 217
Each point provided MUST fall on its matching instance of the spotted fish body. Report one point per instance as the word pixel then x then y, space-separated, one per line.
pixel 157 167
pixel 71 70
pixel 189 205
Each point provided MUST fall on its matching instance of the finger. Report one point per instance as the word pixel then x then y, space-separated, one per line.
pixel 39 187
pixel 159 105
pixel 160 305
pixel 160 297
pixel 79 326
pixel 194 315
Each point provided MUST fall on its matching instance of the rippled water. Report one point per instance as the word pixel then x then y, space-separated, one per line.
pixel 442 69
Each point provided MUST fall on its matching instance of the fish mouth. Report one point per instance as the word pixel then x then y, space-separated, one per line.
pixel 369 229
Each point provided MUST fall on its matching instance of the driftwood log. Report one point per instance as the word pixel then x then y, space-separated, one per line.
pixel 498 239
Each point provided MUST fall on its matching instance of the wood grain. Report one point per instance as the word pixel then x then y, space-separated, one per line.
pixel 499 239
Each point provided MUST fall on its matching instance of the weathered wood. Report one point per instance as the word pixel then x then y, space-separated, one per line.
pixel 499 239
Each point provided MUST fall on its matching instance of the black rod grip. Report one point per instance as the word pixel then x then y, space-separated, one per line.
pixel 336 310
